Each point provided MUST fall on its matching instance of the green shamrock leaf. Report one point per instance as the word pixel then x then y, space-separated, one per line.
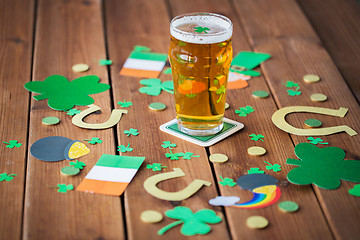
pixel 188 155
pixel 254 170
pixel 193 223
pixel 103 62
pixel 125 104
pixel 124 149
pixel 6 177
pixel 63 188
pixel 315 141
pixel 131 131
pixel 174 156
pixel 63 95
pixel 155 167
pixel 77 164
pixel 168 144
pixel 355 191
pixel 244 111
pixel 201 29
pixel 291 84
pixel 73 112
pixel 12 144
pixel 94 140
pixel 293 93
pixel 227 182
pixel 256 137
pixel 275 167
pixel 154 86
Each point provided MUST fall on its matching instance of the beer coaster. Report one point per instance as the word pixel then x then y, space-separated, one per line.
pixel 230 127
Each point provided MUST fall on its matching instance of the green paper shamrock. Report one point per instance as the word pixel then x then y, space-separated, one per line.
pixel 316 140
pixel 244 111
pixel 168 144
pixel 139 48
pixel 94 140
pixel 103 62
pixel 174 156
pixel 193 223
pixel 227 182
pixel 355 191
pixel 12 144
pixel 154 86
pixel 131 131
pixel 293 93
pixel 77 164
pixel 256 137
pixel 73 112
pixel 188 155
pixel 254 170
pixel 124 149
pixel 324 167
pixel 201 29
pixel 63 188
pixel 155 167
pixel 291 84
pixel 6 177
pixel 64 95
pixel 275 167
pixel 125 104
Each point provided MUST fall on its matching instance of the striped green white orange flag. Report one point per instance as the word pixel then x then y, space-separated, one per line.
pixel 111 175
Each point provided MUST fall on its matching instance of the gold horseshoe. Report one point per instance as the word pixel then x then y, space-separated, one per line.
pixel 112 121
pixel 278 119
pixel 192 188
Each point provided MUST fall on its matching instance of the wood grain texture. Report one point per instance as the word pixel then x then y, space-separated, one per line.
pixel 288 35
pixel 278 146
pixel 147 23
pixel 67 33
pixel 16 35
pixel 337 24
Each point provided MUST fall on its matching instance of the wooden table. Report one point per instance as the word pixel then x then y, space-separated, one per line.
pixel 46 37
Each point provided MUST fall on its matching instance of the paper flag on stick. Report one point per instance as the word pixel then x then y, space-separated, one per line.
pixel 111 175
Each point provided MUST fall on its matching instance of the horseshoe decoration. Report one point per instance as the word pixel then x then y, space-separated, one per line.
pixel 278 119
pixel 112 121
pixel 192 188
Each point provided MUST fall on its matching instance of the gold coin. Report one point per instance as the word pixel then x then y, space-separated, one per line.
pixel 151 216
pixel 81 67
pixel 227 105
pixel 257 222
pixel 318 97
pixel 218 158
pixel 156 106
pixel 311 78
pixel 256 151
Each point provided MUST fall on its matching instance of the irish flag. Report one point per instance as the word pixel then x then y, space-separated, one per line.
pixel 111 175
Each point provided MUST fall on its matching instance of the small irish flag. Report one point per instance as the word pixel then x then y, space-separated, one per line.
pixel 142 63
pixel 111 175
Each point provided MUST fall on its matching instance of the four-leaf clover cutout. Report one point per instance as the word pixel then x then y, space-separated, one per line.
pixel 77 164
pixel 168 144
pixel 124 149
pixel 315 141
pixel 244 111
pixel 63 188
pixel 125 104
pixel 254 170
pixel 155 167
pixel 12 144
pixel 201 29
pixel 227 182
pixel 275 167
pixel 94 140
pixel 6 177
pixel 256 137
pixel 131 131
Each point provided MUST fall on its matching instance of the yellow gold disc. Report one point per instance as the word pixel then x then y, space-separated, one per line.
pixel 81 67
pixel 311 78
pixel 151 216
pixel 218 158
pixel 256 151
pixel 257 222
pixel 227 105
pixel 318 97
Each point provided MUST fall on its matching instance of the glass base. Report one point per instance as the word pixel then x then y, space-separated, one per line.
pixel 200 132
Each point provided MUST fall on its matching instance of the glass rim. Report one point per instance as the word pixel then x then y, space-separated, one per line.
pixel 199 14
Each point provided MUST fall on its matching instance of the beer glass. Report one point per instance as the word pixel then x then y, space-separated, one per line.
pixel 200 56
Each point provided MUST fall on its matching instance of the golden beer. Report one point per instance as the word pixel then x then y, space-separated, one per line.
pixel 200 56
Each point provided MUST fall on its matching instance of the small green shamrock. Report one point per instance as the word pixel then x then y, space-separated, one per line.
pixel 63 188
pixel 220 91
pixel 131 131
pixel 275 167
pixel 256 137
pixel 94 140
pixel 291 84
pixel 6 177
pixel 155 167
pixel 293 92
pixel 77 164
pixel 355 191
pixel 174 156
pixel 12 144
pixel 168 144
pixel 167 71
pixel 244 111
pixel 73 112
pixel 125 104
pixel 193 223
pixel 124 149
pixel 254 170
pixel 103 62
pixel 153 86
pixel 315 141
pixel 227 182
pixel 201 29
pixel 188 155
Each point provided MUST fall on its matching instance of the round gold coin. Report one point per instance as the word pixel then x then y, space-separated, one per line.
pixel 257 222
pixel 50 120
pixel 156 106
pixel 81 67
pixel 318 97
pixel 227 105
pixel 218 158
pixel 151 216
pixel 256 151
pixel 311 78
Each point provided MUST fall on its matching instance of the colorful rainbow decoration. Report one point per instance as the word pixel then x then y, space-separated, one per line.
pixel 261 200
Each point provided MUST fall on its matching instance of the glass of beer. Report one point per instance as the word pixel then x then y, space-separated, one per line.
pixel 200 56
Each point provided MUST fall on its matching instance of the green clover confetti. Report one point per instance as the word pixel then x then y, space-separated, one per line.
pixel 227 182
pixel 167 71
pixel 188 155
pixel 77 164
pixel 155 167
pixel 174 156
pixel 139 48
pixel 355 191
pixel 256 137
pixel 124 149
pixel 291 84
pixel 125 104
pixel 254 170
pixel 131 131
pixel 201 29
pixel 293 92
pixel 73 112
pixel 315 141
pixel 244 111
pixel 63 188
pixel 103 62
pixel 12 144
pixel 94 140
pixel 193 223
pixel 168 144
pixel 275 167
pixel 6 177
pixel 154 86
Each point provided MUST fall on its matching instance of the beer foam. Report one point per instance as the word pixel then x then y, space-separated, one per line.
pixel 183 28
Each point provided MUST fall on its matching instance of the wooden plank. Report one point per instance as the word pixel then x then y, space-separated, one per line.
pixel 67 33
pixel 16 38
pixel 147 23
pixel 278 146
pixel 289 36
pixel 337 24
